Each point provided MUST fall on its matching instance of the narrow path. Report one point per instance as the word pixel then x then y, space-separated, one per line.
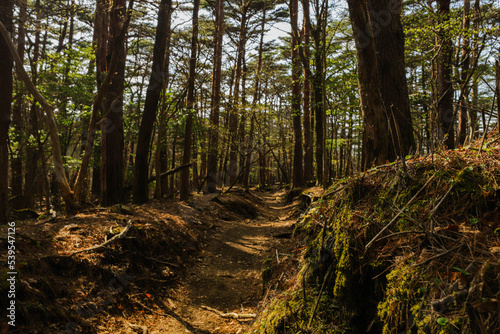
pixel 227 277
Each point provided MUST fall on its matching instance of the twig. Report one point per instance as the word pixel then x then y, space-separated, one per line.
pixel 433 211
pixel 436 256
pixel 398 214
pixel 400 233
pixel 231 315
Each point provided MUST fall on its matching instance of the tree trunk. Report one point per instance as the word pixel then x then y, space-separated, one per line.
pixel 445 89
pixel 112 142
pixel 141 193
pixel 17 164
pixel 188 134
pixel 235 108
pixel 464 76
pixel 213 144
pixel 6 65
pixel 298 170
pixel 385 16
pixel 375 129
pixel 472 113
pixel 308 144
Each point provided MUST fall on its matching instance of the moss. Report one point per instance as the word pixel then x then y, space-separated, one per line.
pixel 343 276
pixel 400 295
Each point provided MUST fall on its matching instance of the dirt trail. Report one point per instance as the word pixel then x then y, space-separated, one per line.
pixel 227 277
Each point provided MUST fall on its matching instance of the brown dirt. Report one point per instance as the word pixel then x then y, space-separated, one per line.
pixel 182 267
pixel 227 274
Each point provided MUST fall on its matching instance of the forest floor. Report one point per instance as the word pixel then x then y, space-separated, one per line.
pixel 164 267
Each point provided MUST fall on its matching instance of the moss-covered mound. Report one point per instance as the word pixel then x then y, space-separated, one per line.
pixel 400 250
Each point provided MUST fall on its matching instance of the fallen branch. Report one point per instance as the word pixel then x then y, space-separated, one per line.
pixel 399 213
pixel 121 235
pixel 230 315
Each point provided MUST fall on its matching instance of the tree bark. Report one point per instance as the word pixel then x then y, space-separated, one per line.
pixel 385 17
pixel 375 129
pixel 112 142
pixel 308 144
pixel 444 67
pixel 213 143
pixel 141 192
pixel 298 170
pixel 6 65
pixel 464 76
pixel 188 134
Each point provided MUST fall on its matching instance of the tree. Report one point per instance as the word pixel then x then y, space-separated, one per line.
pixel 6 65
pixel 308 142
pixel 213 141
pixel 375 141
pixel 464 76
pixel 445 88
pixel 298 170
pixel 188 133
pixel 112 123
pixel 156 81
pixel 17 164
pixel 385 17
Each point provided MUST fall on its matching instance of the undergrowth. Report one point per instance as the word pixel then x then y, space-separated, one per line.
pixel 433 269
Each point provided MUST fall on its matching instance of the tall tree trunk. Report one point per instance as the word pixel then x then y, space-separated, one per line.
pixel 101 35
pixel 188 134
pixel 213 143
pixel 112 141
pixel 445 89
pixel 298 170
pixel 141 175
pixel 235 108
pixel 255 100
pixel 17 165
pixel 464 76
pixel 6 65
pixel 375 129
pixel 472 113
pixel 385 16
pixel 308 144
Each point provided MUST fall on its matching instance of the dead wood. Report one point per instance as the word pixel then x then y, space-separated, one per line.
pixel 231 315
pixel 117 237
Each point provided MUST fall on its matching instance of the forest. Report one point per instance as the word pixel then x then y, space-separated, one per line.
pixel 108 96
pixel 146 131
